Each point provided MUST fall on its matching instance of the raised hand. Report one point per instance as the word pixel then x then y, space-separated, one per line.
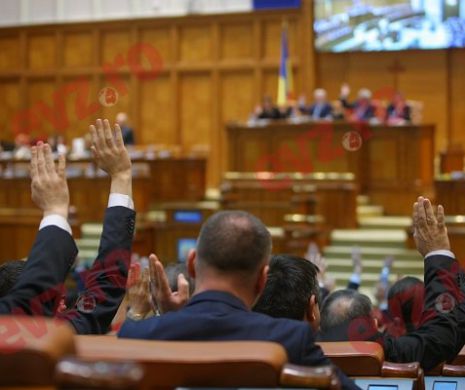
pixel 165 299
pixel 111 155
pixel 138 291
pixel 108 148
pixel 430 231
pixel 49 189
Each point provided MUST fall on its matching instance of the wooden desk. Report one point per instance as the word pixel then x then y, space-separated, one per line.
pixel 449 193
pixel 392 166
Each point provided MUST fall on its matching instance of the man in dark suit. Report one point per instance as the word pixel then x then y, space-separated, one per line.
pixel 321 108
pixel 40 286
pixel 230 268
pixel 347 315
pixel 105 282
pixel 128 132
pixel 362 109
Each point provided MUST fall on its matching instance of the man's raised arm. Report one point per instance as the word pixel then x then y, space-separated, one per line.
pixel 105 282
pixel 39 288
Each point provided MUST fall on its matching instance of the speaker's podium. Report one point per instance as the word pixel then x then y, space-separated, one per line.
pixel 391 164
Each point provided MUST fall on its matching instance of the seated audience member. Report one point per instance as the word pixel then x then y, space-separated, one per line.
pixel 362 109
pixel 128 133
pixel 405 305
pixel 321 108
pixel 267 110
pixel 280 298
pixel 9 274
pixel 339 112
pixel 347 315
pixel 22 147
pixel 230 267
pixel 398 111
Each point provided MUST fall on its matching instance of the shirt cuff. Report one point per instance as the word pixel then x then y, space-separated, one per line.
pixel 55 220
pixel 356 279
pixel 120 200
pixel 441 252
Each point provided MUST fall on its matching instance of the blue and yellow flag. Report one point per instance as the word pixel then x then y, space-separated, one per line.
pixel 285 82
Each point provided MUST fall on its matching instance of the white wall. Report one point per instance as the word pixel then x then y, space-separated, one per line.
pixel 19 12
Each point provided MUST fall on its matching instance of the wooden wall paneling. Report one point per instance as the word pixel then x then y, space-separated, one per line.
pixel 78 48
pixel 115 42
pixel 80 97
pixel 425 79
pixel 457 96
pixel 10 60
pixel 236 41
pixel 40 98
pixel 195 43
pixel 10 104
pixel 332 70
pixel 42 49
pixel 237 97
pixel 195 104
pixel 156 125
pixel 125 94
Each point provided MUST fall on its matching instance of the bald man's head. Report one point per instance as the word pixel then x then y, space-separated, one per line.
pixel 233 241
pixel 340 309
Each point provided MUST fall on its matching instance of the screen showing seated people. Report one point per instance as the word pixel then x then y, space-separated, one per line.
pixel 187 216
pixel 184 246
pixel 445 385
pixel 373 25
pixel 383 387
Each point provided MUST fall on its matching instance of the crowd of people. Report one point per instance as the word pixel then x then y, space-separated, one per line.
pixel 20 148
pixel 363 108
pixel 232 286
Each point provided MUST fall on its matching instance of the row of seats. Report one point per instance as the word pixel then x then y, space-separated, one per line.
pixel 51 355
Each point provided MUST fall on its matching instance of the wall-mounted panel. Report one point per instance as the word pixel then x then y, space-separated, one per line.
pixel 195 105
pixel 157 112
pixel 10 104
pixel 160 41
pixel 42 51
pixel 195 44
pixel 115 44
pixel 11 59
pixel 78 49
pixel 236 42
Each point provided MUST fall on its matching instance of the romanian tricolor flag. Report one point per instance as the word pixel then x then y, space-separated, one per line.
pixel 285 82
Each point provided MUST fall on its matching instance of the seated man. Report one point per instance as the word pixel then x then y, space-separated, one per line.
pixel 105 282
pixel 321 108
pixel 230 267
pixel 347 314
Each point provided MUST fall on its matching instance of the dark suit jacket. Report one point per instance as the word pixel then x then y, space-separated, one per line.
pixel 128 135
pixel 325 112
pixel 369 112
pixel 441 337
pixel 216 315
pixel 391 112
pixel 106 280
pixel 40 285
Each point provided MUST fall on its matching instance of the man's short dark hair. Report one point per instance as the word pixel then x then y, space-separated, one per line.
pixel 345 314
pixel 9 274
pixel 405 301
pixel 291 282
pixel 233 241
